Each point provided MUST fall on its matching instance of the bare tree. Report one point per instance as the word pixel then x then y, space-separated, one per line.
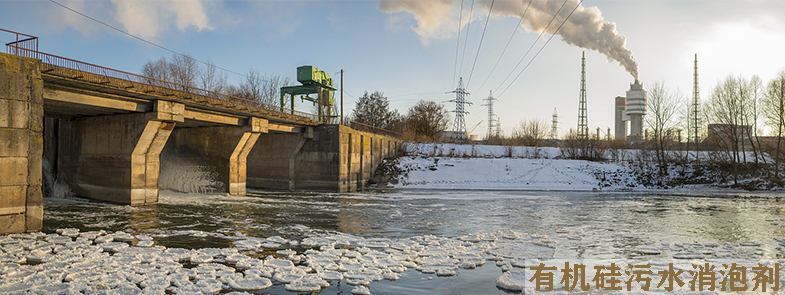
pixel 530 133
pixel 212 80
pixel 158 69
pixel 773 107
pixel 756 90
pixel 662 106
pixel 727 110
pixel 427 119
pixel 184 70
pixel 252 85
pixel 575 146
pixel 271 88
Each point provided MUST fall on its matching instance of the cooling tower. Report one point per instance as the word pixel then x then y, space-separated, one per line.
pixel 636 108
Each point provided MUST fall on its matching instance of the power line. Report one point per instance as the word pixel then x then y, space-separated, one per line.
pixel 518 25
pixel 532 46
pixel 349 94
pixel 458 45
pixel 143 40
pixel 480 45
pixel 543 47
pixel 466 38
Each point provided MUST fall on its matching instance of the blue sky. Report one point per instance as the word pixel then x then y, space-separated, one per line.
pixel 410 55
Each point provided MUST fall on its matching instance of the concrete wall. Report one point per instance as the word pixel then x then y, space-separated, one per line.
pixel 21 144
pixel 116 158
pixel 334 158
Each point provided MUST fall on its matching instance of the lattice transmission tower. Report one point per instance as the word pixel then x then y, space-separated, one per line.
pixel 491 116
pixel 695 107
pixel 554 123
pixel 583 124
pixel 459 127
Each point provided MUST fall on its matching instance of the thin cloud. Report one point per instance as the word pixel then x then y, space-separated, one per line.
pixel 150 19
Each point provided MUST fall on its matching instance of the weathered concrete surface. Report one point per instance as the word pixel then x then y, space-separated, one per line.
pixel 223 149
pixel 116 158
pixel 21 144
pixel 334 158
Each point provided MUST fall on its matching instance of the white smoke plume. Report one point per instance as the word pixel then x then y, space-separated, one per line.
pixel 585 28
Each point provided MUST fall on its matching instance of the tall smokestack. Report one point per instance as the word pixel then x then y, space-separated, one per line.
pixel 585 28
pixel 621 122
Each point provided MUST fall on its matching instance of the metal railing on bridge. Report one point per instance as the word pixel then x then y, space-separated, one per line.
pixel 27 46
pixel 28 42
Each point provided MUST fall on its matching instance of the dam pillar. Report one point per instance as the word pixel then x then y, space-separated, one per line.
pixel 116 158
pixel 21 144
pixel 222 151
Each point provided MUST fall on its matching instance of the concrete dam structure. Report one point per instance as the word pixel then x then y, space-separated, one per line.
pixel 105 131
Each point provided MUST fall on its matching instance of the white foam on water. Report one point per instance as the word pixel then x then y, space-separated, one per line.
pixel 182 175
pixel 51 185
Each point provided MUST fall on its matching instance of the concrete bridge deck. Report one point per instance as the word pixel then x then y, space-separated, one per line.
pixel 105 137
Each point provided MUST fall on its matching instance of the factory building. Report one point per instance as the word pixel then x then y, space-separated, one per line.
pixel 631 108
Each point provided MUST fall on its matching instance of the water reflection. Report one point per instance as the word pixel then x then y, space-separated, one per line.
pixel 592 225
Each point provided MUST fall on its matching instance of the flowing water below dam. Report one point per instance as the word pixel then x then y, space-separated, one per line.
pixel 386 241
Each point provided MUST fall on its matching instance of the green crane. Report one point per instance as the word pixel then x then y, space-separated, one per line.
pixel 317 82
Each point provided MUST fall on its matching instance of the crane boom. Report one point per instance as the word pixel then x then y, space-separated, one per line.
pixel 475 127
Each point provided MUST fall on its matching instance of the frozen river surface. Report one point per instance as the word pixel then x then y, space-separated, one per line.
pixel 385 242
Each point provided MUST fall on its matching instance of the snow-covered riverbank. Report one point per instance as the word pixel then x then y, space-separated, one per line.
pixel 512 174
pixel 487 167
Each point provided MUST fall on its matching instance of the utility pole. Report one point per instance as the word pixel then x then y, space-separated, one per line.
pixel 583 124
pixel 491 116
pixel 341 96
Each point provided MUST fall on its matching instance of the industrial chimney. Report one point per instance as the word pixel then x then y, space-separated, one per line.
pixel 621 117
pixel 636 108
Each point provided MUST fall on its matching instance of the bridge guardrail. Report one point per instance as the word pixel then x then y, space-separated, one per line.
pixel 70 68
pixel 66 67
pixel 28 42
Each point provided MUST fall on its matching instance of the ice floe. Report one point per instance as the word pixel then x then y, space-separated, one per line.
pixel 70 261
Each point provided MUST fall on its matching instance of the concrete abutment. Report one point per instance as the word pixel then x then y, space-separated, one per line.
pixel 116 158
pixel 334 158
pixel 21 144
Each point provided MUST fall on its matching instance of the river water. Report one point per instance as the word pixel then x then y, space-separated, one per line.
pixel 575 226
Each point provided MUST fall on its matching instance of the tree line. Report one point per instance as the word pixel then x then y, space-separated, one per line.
pixel 424 121
pixel 188 73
